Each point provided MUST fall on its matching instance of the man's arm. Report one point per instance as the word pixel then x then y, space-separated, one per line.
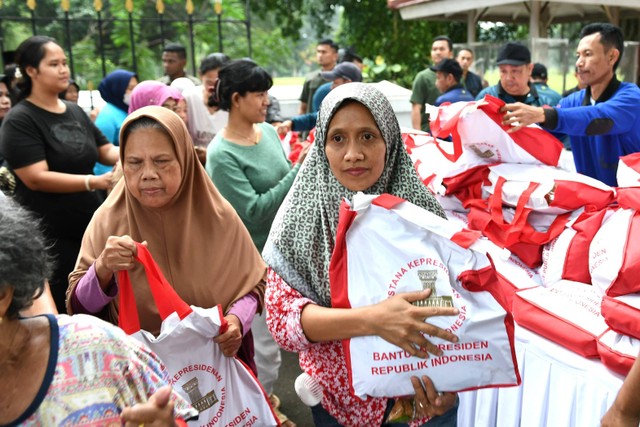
pixel 625 410
pixel 614 116
pixel 416 116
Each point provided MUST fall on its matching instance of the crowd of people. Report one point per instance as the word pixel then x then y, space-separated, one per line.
pixel 198 170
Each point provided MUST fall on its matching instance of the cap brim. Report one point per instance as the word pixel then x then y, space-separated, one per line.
pixel 511 62
pixel 328 75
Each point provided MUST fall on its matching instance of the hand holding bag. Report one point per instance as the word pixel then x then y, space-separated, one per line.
pixel 221 388
pixel 386 245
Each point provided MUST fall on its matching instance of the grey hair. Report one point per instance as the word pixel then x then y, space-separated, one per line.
pixel 24 261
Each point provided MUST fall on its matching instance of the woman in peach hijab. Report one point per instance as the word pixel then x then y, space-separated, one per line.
pixel 167 200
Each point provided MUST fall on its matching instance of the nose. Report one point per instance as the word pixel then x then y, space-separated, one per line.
pixel 149 171
pixel 353 153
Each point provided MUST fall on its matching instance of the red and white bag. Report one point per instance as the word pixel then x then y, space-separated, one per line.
pixel 567 256
pixel 558 191
pixel 384 246
pixel 614 255
pixel 622 313
pixel 568 313
pixel 451 182
pixel 618 352
pixel 514 228
pixel 221 388
pixel 476 129
pixel 628 174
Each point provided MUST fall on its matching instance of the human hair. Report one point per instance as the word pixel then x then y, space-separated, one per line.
pixel 330 43
pixel 29 54
pixel 468 50
pixel 610 36
pixel 241 76
pixel 213 61
pixel 24 261
pixel 143 122
pixel 445 38
pixel 176 48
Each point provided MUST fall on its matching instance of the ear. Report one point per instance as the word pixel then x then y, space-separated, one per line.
pixel 529 69
pixel 31 71
pixel 6 297
pixel 613 55
pixel 235 99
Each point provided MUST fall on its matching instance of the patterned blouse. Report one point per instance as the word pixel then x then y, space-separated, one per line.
pixel 324 361
pixel 93 372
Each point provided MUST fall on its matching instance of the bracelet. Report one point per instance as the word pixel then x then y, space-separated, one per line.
pixel 87 184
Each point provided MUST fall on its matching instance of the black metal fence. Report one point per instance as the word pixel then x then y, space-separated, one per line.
pixel 213 18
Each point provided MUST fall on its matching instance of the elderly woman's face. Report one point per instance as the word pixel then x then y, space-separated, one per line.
pixel 355 147
pixel 151 167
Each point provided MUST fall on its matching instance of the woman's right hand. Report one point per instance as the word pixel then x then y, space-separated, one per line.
pixel 101 182
pixel 399 322
pixel 118 254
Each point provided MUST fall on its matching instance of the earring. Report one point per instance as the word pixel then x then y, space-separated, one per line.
pixel 0 320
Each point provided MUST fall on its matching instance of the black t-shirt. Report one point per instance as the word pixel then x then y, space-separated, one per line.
pixel 69 143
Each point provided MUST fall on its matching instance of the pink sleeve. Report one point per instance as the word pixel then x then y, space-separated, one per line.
pixel 88 297
pixel 284 306
pixel 244 309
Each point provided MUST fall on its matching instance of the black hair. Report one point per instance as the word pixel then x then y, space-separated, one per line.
pixel 213 61
pixel 467 49
pixel 445 38
pixel 329 43
pixel 610 36
pixel 29 54
pixel 239 76
pixel 177 48
pixel 25 263
pixel 63 94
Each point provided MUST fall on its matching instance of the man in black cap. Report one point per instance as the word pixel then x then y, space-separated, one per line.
pixel 344 72
pixel 603 120
pixel 448 75
pixel 539 78
pixel 514 63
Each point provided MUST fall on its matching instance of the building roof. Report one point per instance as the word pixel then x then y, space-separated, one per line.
pixel 517 11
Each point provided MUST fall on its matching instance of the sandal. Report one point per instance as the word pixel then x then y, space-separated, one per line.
pixel 283 419
pixel 274 401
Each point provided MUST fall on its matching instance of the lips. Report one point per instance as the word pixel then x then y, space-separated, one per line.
pixel 151 191
pixel 355 171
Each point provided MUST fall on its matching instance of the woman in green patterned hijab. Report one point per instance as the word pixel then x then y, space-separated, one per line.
pixel 358 147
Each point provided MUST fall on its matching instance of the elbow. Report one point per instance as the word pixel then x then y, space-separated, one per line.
pixel 599 126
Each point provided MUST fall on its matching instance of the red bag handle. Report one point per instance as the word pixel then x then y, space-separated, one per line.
pixel 165 297
pixel 532 236
pixel 451 128
pixel 510 232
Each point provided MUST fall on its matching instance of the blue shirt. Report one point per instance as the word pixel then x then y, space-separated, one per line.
pixel 454 94
pixel 601 133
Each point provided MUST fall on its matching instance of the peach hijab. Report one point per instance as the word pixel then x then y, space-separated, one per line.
pixel 197 239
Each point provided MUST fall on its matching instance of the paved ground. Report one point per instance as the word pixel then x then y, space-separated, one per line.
pixel 291 405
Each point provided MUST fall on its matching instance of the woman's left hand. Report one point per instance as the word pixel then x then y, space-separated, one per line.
pixel 430 403
pixel 156 412
pixel 231 339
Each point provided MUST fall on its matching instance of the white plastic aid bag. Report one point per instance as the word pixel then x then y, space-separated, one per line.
pixel 385 246
pixel 223 390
